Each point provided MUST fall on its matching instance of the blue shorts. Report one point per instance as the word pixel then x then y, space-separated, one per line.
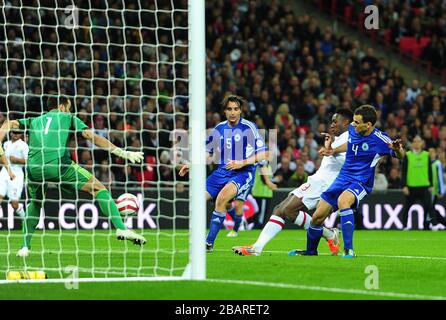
pixel 243 180
pixel 340 185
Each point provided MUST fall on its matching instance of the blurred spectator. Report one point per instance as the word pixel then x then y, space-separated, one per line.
pixel 104 175
pixel 394 180
pixel 284 172
pixel 300 176
pixel 381 182
pixel 294 74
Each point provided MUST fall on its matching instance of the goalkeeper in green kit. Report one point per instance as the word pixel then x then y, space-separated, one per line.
pixel 49 161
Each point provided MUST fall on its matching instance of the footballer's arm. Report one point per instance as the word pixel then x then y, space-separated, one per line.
pixel 7 126
pixel 4 161
pixel 331 152
pixel 184 168
pixel 397 147
pixel 237 164
pixel 102 142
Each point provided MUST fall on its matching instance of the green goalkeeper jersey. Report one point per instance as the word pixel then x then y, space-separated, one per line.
pixel 49 136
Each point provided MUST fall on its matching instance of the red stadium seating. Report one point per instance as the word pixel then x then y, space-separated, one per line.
pixel 413 46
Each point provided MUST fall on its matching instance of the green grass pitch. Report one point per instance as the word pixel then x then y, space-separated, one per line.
pixel 405 265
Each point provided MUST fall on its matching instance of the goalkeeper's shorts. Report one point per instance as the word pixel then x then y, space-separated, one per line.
pixel 74 178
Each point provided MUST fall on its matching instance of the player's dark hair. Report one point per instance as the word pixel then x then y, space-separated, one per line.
pixel 347 114
pixel 368 113
pixel 53 102
pixel 233 98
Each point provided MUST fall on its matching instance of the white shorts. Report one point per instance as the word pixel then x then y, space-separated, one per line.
pixel 13 189
pixel 310 192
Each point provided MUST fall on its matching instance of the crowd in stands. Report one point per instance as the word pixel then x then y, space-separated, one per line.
pixel 126 77
pixel 130 84
pixel 295 75
pixel 416 27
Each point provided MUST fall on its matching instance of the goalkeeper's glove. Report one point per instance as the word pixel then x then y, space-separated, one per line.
pixel 130 155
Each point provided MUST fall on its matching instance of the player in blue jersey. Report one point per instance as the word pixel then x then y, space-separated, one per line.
pixel 365 147
pixel 236 146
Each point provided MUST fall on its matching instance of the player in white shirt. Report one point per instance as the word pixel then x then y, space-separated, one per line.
pixel 307 196
pixel 16 151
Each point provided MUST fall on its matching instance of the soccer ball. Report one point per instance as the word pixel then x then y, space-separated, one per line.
pixel 127 204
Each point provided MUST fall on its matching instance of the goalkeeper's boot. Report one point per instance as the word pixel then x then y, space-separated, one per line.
pixel 131 236
pixel 245 251
pixel 298 252
pixel 334 244
pixel 209 247
pixel 349 253
pixel 24 252
pixel 232 234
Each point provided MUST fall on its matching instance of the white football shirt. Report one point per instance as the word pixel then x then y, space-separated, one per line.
pixel 330 166
pixel 18 149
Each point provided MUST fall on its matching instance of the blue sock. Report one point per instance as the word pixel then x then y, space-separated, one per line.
pixel 314 234
pixel 231 212
pixel 348 226
pixel 237 222
pixel 216 222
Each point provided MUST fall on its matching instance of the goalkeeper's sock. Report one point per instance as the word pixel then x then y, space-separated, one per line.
pixel 109 209
pixel 30 223
pixel 271 229
pixel 314 234
pixel 348 226
pixel 216 222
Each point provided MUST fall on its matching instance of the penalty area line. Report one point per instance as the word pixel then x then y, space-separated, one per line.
pixel 328 289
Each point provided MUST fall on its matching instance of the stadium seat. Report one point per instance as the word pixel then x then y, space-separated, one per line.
pixel 333 8
pixel 387 37
pixel 360 22
pixel 413 46
pixel 416 11
pixel 348 14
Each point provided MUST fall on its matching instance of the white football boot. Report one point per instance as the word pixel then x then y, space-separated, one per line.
pixel 24 252
pixel 131 236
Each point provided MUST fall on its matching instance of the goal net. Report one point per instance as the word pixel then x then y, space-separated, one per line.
pixel 125 67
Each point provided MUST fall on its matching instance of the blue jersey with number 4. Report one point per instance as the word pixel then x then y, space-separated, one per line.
pixel 363 154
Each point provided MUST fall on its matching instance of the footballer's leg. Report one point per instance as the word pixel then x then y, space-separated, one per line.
pixel 237 212
pixel 293 209
pixel 226 194
pixel 315 230
pixel 273 227
pixel 14 192
pixel 346 202
pixel 77 178
pixel 37 191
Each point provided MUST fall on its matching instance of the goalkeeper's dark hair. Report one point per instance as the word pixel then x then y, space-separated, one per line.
pixel 233 98
pixel 368 113
pixel 347 114
pixel 53 102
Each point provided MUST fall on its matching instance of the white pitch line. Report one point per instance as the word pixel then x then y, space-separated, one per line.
pixel 242 282
pixel 362 255
pixel 327 289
